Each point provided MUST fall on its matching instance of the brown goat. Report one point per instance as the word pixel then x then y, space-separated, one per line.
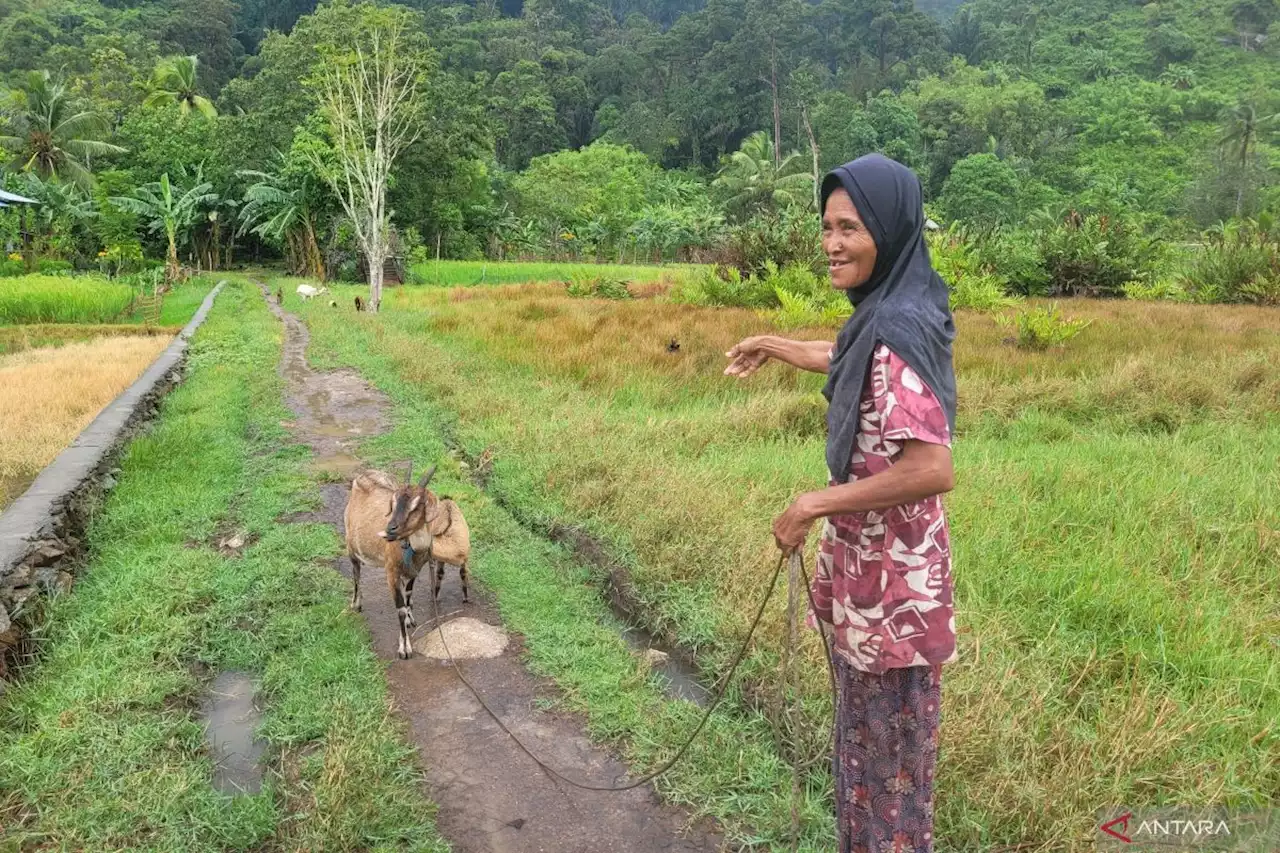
pixel 396 526
pixel 359 304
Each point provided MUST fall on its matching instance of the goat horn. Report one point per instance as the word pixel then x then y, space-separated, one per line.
pixel 426 478
pixel 408 477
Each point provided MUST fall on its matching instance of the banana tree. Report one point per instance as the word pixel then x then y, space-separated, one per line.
pixel 170 210
pixel 282 210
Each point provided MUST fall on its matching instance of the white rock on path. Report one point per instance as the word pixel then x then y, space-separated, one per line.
pixel 466 638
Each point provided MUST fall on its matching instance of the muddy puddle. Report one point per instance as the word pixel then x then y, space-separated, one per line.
pixel 230 721
pixel 680 681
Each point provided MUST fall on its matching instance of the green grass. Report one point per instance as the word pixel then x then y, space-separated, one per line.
pixel 1113 529
pixel 100 745
pixel 468 273
pixel 87 300
pixel 58 299
pixel 734 771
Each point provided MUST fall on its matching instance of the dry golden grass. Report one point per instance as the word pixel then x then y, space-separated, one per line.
pixel 1153 366
pixel 36 336
pixel 47 396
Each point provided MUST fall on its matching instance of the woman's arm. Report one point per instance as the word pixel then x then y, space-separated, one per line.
pixel 752 353
pixel 923 470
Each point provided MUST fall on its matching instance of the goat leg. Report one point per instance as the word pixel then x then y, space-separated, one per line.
pixel 396 583
pixel 408 601
pixel 462 574
pixel 356 602
pixel 439 577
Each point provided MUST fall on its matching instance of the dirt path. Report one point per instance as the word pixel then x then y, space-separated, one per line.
pixel 492 797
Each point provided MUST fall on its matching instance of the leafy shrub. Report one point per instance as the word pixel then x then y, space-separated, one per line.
pixel 797 310
pixel 974 285
pixel 980 292
pixel 50 266
pixel 719 285
pixel 794 294
pixel 597 287
pixel 784 239
pixel 121 258
pixel 1014 255
pixel 1042 328
pixel 1162 289
pixel 1239 262
pixel 9 267
pixel 1095 255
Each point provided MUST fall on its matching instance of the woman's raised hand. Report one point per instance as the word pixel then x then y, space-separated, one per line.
pixel 747 357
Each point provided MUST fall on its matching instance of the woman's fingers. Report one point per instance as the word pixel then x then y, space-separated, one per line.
pixel 746 360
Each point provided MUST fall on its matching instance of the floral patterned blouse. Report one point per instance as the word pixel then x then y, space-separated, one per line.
pixel 883 578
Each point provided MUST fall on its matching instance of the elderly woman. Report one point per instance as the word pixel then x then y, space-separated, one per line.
pixel 883 578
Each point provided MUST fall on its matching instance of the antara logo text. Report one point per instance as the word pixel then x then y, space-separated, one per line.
pixel 1119 828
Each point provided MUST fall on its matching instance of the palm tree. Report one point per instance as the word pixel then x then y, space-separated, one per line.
pixel 964 36
pixel 1240 137
pixel 285 215
pixel 752 182
pixel 170 210
pixel 52 137
pixel 174 82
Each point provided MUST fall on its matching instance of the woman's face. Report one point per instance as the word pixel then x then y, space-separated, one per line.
pixel 851 251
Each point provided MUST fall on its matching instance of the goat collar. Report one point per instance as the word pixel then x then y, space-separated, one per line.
pixel 406 553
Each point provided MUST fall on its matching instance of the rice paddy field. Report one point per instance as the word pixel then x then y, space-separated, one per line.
pixel 1115 526
pixel 68 347
pixel 59 299
pixel 48 395
pixel 473 273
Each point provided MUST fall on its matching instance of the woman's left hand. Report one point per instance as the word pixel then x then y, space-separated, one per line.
pixel 791 528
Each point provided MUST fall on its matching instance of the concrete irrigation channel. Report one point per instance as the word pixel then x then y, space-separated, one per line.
pixel 41 532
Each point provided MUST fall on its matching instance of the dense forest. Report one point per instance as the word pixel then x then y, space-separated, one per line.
pixel 656 130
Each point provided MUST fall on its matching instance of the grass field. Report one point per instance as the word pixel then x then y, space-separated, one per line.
pixel 56 299
pixel 1116 528
pixel 100 745
pixel 468 273
pixel 34 300
pixel 47 396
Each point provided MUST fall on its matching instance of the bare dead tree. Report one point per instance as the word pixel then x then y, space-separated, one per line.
pixel 370 97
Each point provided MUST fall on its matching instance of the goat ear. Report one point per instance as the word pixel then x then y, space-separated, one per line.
pixel 426 478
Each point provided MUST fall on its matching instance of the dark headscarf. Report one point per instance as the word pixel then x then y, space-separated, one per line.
pixel 903 305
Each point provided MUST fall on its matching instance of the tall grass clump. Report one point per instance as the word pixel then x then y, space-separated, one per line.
pixel 55 299
pixel 1042 328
